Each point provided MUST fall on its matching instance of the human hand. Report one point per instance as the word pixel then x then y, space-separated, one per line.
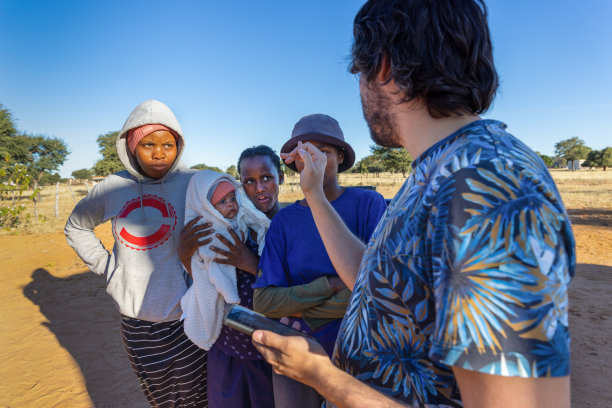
pixel 311 176
pixel 189 240
pixel 336 284
pixel 237 253
pixel 292 356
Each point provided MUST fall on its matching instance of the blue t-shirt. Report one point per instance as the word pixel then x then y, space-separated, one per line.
pixel 294 253
pixel 469 267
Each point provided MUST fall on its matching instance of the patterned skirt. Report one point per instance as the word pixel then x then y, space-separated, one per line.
pixel 170 368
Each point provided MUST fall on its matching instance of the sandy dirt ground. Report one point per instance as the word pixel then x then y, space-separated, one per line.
pixel 61 345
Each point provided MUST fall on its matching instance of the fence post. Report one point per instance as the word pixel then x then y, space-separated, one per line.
pixel 71 193
pixel 35 199
pixel 57 200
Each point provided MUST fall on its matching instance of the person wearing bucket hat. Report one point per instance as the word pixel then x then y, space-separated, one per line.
pixel 296 277
pixel 324 129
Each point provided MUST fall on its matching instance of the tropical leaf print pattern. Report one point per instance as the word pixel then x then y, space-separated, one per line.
pixel 469 267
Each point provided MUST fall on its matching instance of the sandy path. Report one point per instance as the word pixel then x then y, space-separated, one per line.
pixel 61 344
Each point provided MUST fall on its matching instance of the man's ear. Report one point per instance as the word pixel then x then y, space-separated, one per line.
pixel 281 177
pixel 384 72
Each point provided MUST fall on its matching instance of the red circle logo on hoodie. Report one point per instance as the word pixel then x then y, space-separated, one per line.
pixel 145 223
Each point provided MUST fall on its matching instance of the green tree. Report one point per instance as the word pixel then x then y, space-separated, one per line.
pixel 14 175
pixel 110 162
pixel 232 171
pixel 593 159
pixel 25 159
pixel 203 166
pixel 45 155
pixel 393 160
pixel 606 159
pixel 7 123
pixel 49 178
pixel 548 161
pixel 368 164
pixel 572 149
pixel 82 174
pixel 12 144
pixel 599 158
pixel 14 180
pixel 559 162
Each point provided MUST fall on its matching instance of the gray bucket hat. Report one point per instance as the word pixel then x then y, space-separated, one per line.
pixel 320 128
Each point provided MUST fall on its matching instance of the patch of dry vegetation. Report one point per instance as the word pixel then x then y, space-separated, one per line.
pixel 587 196
pixel 585 189
pixel 386 184
pixel 47 221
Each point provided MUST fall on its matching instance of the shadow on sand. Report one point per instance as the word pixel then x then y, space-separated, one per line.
pixel 86 323
pixel 84 320
pixel 590 312
pixel 592 216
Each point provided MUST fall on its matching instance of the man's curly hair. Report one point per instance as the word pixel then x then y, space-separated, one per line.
pixel 438 50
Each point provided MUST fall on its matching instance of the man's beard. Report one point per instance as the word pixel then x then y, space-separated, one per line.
pixel 378 116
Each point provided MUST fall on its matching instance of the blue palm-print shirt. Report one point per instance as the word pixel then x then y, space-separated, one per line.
pixel 469 267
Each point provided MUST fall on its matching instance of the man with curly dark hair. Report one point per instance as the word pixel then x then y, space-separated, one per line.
pixel 460 296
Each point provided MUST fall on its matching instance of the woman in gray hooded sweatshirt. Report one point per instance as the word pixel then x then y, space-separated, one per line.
pixel 144 276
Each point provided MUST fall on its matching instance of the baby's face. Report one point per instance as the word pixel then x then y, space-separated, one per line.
pixel 227 206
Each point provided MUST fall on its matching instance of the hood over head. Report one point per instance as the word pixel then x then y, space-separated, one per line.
pixel 149 112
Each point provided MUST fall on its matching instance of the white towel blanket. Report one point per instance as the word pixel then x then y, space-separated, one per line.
pixel 214 284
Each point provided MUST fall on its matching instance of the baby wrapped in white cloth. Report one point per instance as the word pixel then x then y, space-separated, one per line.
pixel 220 200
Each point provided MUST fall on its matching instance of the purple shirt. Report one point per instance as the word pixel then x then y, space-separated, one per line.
pixel 233 342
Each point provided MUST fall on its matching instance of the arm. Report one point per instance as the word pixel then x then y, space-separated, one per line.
pixel 79 230
pixel 332 308
pixel 344 249
pixel 275 293
pixel 307 362
pixel 520 358
pixel 480 390
pixel 277 301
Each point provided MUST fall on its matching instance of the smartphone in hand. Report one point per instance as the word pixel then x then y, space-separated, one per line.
pixel 247 321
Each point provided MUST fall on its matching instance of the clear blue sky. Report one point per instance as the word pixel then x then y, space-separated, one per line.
pixel 240 73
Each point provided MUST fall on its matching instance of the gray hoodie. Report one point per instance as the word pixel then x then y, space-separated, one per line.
pixel 143 272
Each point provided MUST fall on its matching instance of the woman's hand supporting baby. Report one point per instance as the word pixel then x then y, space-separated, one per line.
pixel 190 240
pixel 238 254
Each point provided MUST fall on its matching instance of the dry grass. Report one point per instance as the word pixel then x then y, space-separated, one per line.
pixel 47 221
pixel 586 194
pixel 579 189
pixel 386 184
pixel 585 189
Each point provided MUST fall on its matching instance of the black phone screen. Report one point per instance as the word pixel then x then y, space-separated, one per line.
pixel 247 321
